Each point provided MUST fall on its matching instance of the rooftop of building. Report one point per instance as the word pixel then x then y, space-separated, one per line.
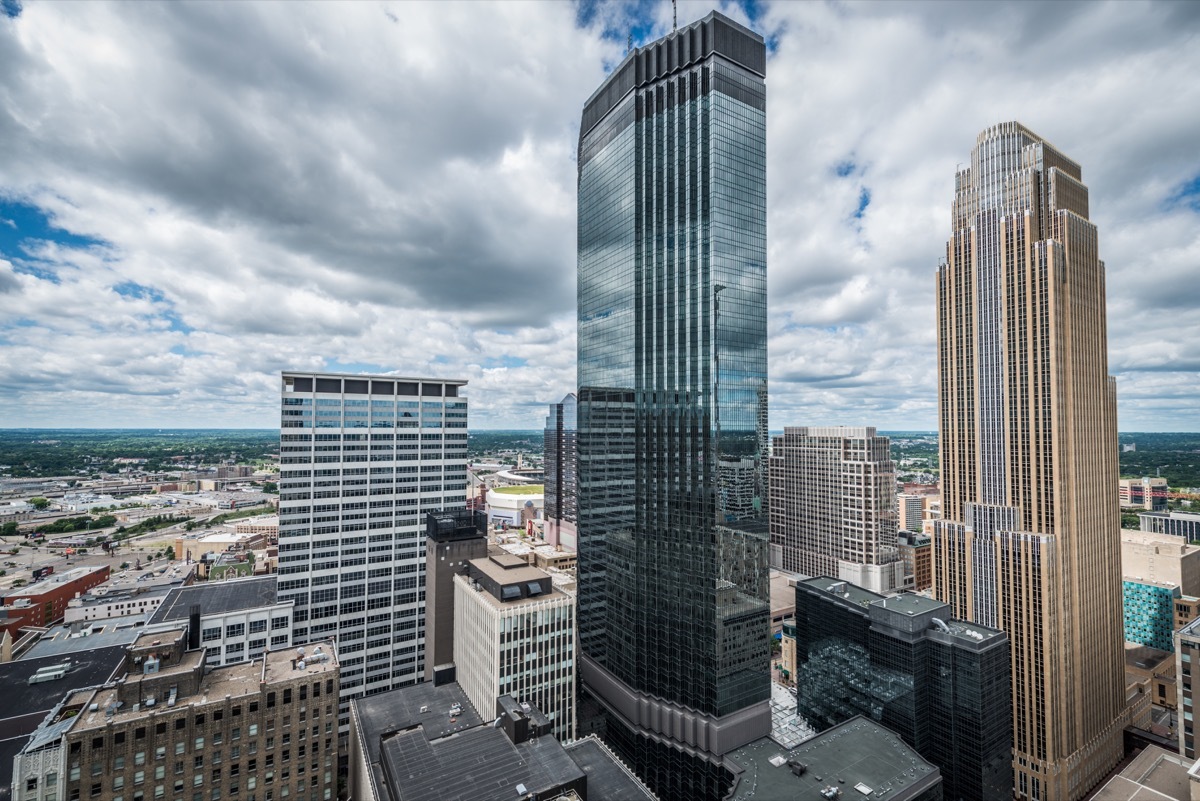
pixel 56 581
pixel 1153 774
pixel 482 764
pixel 25 703
pixel 1144 657
pixel 508 569
pixel 82 636
pixel 240 680
pixel 380 376
pixel 1174 514
pixel 856 755
pixel 520 489
pixel 411 735
pixel 218 598
pixel 842 589
pixel 1175 542
pixel 608 778
pixel 558 592
pixel 111 593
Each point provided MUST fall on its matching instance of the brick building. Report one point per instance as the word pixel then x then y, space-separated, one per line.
pixel 166 729
pixel 44 603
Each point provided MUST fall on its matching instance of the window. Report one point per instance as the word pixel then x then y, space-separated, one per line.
pixel 235 630
pixel 161 728
pixel 119 783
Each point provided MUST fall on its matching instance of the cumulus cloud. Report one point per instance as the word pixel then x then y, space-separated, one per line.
pixel 253 187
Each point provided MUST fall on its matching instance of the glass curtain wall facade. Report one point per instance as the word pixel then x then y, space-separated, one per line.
pixel 363 459
pixel 1029 541
pixel 941 684
pixel 673 601
pixel 561 460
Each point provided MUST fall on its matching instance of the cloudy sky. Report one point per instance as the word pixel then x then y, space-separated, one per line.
pixel 194 197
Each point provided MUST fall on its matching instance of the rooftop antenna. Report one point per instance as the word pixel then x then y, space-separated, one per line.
pixel 674 16
pixel 629 44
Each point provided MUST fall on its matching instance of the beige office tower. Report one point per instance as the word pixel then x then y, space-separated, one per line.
pixel 1029 541
pixel 833 506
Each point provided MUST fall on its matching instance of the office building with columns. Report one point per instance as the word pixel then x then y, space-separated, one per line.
pixel 1029 536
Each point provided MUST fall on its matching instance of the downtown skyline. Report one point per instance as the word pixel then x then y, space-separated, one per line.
pixel 350 194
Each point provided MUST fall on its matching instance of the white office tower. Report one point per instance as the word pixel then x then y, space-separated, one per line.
pixel 362 459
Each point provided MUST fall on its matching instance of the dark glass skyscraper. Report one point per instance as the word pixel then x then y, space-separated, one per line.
pixel 941 684
pixel 561 455
pixel 673 602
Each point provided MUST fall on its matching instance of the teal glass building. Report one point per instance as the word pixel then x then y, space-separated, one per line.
pixel 672 424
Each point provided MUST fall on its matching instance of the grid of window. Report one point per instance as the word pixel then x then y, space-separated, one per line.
pixel 355 504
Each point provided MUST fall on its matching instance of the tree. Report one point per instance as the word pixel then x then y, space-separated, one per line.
pixel 9 529
pixel 39 503
pixel 271 487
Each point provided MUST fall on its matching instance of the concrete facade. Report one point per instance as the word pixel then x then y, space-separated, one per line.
pixel 833 506
pixel 515 635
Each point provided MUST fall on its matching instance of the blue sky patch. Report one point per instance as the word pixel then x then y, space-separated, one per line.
pixel 10 8
pixel 131 289
pixel 20 222
pixel 1188 194
pixel 864 200
pixel 844 168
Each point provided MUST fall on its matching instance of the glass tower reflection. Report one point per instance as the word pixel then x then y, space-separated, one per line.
pixel 673 601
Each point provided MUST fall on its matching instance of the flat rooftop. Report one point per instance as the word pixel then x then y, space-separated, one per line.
pixel 1154 775
pixel 240 680
pixel 55 581
pixel 508 569
pixel 856 755
pixel 909 603
pixel 218 598
pixel 842 589
pixel 520 489
pixel 26 704
pixel 607 777
pixel 71 639
pixel 481 764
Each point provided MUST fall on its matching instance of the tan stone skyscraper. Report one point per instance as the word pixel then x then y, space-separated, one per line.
pixel 1029 541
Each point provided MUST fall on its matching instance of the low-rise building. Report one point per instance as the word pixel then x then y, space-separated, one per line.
pixel 238 620
pixel 1143 493
pixel 1155 774
pixel 514 634
pixel 44 603
pixel 168 728
pixel 917 554
pixel 1159 571
pixel 514 505
pixel 1176 523
pixel 427 742
pixel 856 757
